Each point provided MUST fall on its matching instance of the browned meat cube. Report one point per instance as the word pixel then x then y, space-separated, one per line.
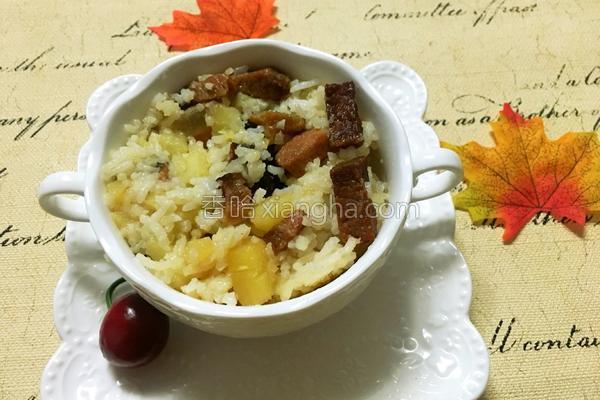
pixel 232 156
pixel 203 134
pixel 345 126
pixel 285 231
pixel 163 171
pixel 238 198
pixel 212 88
pixel 265 83
pixel 355 211
pixel 292 124
pixel 300 150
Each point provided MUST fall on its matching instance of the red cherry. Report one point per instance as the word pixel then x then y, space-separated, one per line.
pixel 133 332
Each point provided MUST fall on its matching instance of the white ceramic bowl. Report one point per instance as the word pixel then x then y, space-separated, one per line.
pixel 264 320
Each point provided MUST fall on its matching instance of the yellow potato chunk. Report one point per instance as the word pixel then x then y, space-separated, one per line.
pixel 252 272
pixel 179 280
pixel 191 121
pixel 225 118
pixel 199 256
pixel 119 218
pixel 115 195
pixel 172 142
pixel 271 212
pixel 191 165
pixel 198 157
pixel 154 250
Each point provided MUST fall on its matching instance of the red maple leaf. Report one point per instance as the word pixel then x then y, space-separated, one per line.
pixel 526 173
pixel 219 21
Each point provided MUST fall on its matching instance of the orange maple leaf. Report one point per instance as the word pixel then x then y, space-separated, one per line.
pixel 526 173
pixel 219 21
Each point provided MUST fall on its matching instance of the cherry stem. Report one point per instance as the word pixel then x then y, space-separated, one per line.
pixel 111 290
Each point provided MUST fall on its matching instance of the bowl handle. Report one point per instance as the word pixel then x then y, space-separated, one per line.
pixel 51 196
pixel 105 95
pixel 435 160
pixel 404 90
pixel 53 188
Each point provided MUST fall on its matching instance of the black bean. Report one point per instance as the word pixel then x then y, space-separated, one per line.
pixel 272 149
pixel 249 125
pixel 268 182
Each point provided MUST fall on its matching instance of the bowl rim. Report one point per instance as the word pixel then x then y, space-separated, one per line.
pixel 137 274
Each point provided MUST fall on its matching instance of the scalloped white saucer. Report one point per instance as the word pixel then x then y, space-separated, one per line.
pixel 407 337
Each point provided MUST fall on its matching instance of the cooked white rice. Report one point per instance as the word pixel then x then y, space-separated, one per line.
pixel 158 217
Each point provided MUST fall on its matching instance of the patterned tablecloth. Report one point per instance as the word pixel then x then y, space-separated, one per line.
pixel 535 301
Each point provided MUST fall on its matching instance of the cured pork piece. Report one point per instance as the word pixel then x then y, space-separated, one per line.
pixel 266 83
pixel 345 126
pixel 355 211
pixel 301 149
